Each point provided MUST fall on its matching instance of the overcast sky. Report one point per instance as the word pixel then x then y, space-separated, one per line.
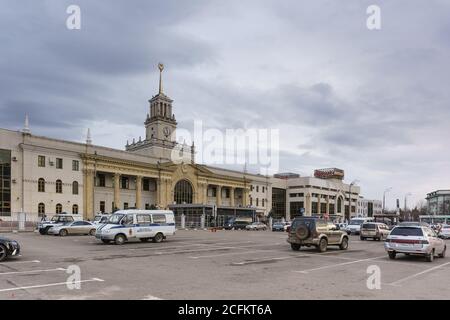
pixel 374 103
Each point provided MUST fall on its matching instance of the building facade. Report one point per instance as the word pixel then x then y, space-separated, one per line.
pixel 369 208
pixel 438 202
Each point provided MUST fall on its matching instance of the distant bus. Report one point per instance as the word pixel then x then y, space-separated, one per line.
pixel 431 219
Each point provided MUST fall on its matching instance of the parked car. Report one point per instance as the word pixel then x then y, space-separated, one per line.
pixel 57 220
pixel 256 226
pixel 374 230
pixel 341 226
pixel 312 231
pixel 445 232
pixel 73 228
pixel 279 226
pixel 236 224
pixel 101 219
pixel 8 248
pixel 354 226
pixel 415 240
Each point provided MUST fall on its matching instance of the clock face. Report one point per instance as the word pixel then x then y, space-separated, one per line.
pixel 166 131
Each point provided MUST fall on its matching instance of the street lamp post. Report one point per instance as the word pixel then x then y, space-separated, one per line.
pixel 406 197
pixel 384 197
pixel 350 198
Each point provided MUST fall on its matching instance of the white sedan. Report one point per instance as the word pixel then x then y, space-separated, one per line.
pixel 445 231
pixel 256 226
pixel 75 228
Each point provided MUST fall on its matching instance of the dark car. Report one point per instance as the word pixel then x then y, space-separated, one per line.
pixel 311 231
pixel 8 248
pixel 236 225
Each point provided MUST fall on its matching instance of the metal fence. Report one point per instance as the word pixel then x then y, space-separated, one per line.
pixel 19 221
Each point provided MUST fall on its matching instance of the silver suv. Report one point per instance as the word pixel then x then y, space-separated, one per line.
pixel 415 240
pixel 311 231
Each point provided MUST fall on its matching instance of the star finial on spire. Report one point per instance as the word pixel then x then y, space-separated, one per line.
pixel 161 68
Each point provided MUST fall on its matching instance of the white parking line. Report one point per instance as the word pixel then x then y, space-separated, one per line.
pixel 337 265
pixel 150 297
pixel 230 254
pixel 11 262
pixel 32 271
pixel 189 245
pixel 51 285
pixel 262 260
pixel 418 274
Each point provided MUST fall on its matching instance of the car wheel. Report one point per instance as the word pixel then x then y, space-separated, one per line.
pixel 362 238
pixel 323 243
pixel 42 231
pixel 392 254
pixel 120 239
pixel 430 257
pixel 92 232
pixel 158 237
pixel 3 253
pixel 344 244
pixel 63 232
pixel 105 241
pixel 295 246
pixel 442 255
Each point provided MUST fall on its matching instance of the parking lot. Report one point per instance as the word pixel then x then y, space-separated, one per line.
pixel 214 265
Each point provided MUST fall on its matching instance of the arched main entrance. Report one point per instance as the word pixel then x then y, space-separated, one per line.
pixel 183 192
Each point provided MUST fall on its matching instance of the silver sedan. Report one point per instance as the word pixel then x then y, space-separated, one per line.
pixel 73 228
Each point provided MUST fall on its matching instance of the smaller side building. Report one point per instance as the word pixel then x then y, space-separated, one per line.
pixel 369 208
pixel 438 202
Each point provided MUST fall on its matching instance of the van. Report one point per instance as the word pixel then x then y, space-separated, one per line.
pixel 354 226
pixel 143 225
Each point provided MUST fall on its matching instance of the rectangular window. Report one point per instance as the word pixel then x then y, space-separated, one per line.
pixel 41 161
pixel 263 202
pixel 263 189
pixel 147 206
pixel 257 201
pixel 75 165
pixel 146 184
pixel 101 180
pixel 143 219
pixel 102 206
pixel 257 188
pixel 159 218
pixel 125 205
pixel 59 163
pixel 125 183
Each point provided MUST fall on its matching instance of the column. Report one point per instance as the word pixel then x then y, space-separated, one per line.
pixel 116 191
pixel 218 196
pixel 328 206
pixel 319 197
pixel 308 205
pixel 89 194
pixel 138 192
pixel 245 193
pixel 232 196
pixel 205 193
pixel 158 192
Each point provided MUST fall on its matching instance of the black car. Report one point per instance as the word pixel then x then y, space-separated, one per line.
pixel 8 248
pixel 236 225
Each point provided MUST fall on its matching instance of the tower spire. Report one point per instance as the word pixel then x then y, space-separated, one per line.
pixel 88 136
pixel 161 68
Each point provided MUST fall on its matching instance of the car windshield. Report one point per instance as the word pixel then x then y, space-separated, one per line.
pixel 97 218
pixel 54 218
pixel 356 222
pixel 115 218
pixel 405 231
pixel 370 226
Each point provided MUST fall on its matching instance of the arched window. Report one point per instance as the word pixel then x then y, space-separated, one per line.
pixel 75 187
pixel 41 209
pixel 41 185
pixel 58 186
pixel 75 209
pixel 183 192
pixel 58 208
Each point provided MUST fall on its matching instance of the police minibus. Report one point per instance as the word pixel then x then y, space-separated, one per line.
pixel 125 225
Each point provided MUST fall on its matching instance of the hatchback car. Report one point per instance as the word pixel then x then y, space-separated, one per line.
pixel 415 240
pixel 445 232
pixel 374 230
pixel 74 228
pixel 312 231
pixel 256 226
pixel 8 248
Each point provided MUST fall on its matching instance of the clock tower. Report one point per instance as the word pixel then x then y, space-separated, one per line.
pixel 160 124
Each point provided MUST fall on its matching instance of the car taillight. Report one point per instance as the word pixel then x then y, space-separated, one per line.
pixel 407 241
